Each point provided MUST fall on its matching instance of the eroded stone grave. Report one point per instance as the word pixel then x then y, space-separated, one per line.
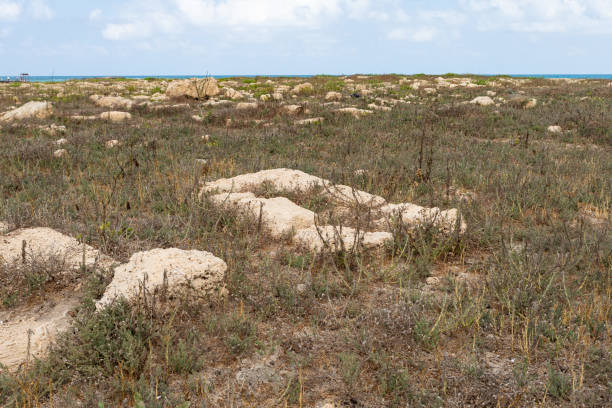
pixel 284 217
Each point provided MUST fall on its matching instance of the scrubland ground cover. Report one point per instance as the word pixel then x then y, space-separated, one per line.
pixel 514 312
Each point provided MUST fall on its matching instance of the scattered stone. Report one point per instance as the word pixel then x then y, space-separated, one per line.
pixel 173 268
pixel 33 109
pixel 333 96
pixel 304 88
pixel 374 106
pixel 193 88
pixel 232 93
pixel 309 121
pixel 491 93
pixel 246 105
pixel 52 129
pixel 265 97
pixel 3 227
pixel 357 113
pixel 60 153
pixel 482 101
pixel 115 116
pixel 197 118
pixel 555 129
pixel 432 281
pixel 522 101
pixel 60 142
pixel 112 143
pixel 293 109
pixel 112 102
pixel 277 96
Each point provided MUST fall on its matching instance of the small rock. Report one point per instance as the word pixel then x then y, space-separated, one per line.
pixel 197 118
pixel 555 129
pixel 60 153
pixel 60 142
pixel 112 143
pixel 432 281
pixel 206 138
pixel 301 288
pixel 293 109
pixel 491 93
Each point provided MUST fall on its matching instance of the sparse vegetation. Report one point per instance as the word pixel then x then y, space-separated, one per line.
pixel 514 312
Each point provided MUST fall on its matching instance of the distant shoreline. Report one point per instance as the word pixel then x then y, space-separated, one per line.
pixel 64 78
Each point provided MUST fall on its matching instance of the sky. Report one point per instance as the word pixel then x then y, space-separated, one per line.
pixel 232 37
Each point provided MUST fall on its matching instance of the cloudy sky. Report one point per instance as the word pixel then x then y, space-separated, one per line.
pixel 134 37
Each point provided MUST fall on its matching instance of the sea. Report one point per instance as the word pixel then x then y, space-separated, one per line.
pixel 62 78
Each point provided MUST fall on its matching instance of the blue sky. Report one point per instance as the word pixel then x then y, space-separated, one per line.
pixel 134 37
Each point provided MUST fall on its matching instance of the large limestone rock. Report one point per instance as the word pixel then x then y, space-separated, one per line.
pixel 112 102
pixel 33 109
pixel 199 271
pixel 193 88
pixel 45 243
pixel 280 215
pixel 482 101
pixel 294 181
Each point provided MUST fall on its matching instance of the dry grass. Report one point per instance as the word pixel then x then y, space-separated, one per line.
pixel 519 314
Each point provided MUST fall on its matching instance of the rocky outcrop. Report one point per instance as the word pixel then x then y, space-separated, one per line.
pixel 283 217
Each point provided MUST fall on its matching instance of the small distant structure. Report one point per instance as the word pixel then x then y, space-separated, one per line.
pixel 23 77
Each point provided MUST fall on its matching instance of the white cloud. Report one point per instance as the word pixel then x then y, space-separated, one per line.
pixel 95 14
pixel 126 31
pixel 39 10
pixel 545 16
pixel 419 34
pixel 258 13
pixel 9 10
